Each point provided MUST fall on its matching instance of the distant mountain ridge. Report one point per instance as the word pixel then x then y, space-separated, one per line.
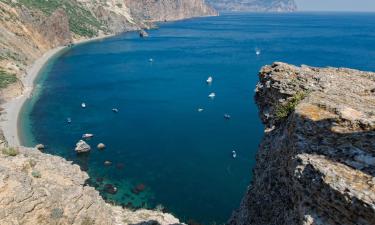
pixel 254 5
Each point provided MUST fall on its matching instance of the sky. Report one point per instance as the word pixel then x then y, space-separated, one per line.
pixel 336 5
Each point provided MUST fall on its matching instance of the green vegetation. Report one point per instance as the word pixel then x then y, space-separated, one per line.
pixel 57 213
pixel 36 174
pixel 283 110
pixel 10 151
pixel 81 21
pixel 6 79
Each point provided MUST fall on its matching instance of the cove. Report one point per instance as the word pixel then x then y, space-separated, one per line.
pixel 163 151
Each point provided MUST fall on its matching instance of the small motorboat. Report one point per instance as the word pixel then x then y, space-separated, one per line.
pixel 212 95
pixel 69 120
pixel 200 110
pixel 115 110
pixel 234 154
pixel 209 80
pixel 86 136
pixel 227 116
pixel 83 105
pixel 257 51
pixel 151 60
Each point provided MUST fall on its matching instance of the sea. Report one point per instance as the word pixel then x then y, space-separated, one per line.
pixel 169 146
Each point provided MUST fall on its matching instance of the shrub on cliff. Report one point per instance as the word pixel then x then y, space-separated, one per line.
pixel 10 151
pixel 6 79
pixel 283 110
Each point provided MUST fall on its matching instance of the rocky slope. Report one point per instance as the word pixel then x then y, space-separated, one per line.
pixel 316 164
pixel 37 188
pixel 254 5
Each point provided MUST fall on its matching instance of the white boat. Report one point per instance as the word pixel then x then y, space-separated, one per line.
pixel 115 110
pixel 87 136
pixel 234 154
pixel 200 110
pixel 257 51
pixel 83 105
pixel 69 120
pixel 209 80
pixel 151 60
pixel 212 95
pixel 227 116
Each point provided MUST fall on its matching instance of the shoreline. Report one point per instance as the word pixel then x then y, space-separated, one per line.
pixel 12 109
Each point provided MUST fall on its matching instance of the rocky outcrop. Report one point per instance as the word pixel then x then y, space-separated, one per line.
pixel 37 188
pixel 82 147
pixel 254 5
pixel 316 163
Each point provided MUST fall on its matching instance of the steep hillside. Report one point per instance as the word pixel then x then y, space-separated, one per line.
pixel 254 5
pixel 316 163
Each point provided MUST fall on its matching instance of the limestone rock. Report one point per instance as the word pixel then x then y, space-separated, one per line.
pixel 143 34
pixel 53 192
pixel 40 147
pixel 316 163
pixel 82 147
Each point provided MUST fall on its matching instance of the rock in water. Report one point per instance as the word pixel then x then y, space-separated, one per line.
pixel 101 146
pixel 82 147
pixel 143 34
pixel 40 147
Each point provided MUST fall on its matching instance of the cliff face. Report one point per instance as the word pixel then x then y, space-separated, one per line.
pixel 169 10
pixel 37 188
pixel 254 5
pixel 316 164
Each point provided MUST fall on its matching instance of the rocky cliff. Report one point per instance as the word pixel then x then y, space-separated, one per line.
pixel 168 10
pixel 316 164
pixel 254 5
pixel 37 188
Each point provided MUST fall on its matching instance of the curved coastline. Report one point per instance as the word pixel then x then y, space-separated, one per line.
pixel 10 120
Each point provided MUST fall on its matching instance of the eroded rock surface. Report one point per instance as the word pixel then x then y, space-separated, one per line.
pixel 37 188
pixel 316 164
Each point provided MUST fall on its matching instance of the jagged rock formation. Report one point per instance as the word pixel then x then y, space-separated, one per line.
pixel 254 5
pixel 37 188
pixel 316 164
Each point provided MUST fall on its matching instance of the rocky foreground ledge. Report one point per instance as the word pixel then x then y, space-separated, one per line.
pixel 37 188
pixel 316 164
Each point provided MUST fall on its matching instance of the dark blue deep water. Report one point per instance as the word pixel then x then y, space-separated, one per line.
pixel 158 139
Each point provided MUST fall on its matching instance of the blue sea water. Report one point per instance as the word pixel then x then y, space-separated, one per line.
pixel 158 139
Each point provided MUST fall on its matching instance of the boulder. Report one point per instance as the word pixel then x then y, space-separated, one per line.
pixel 101 146
pixel 143 34
pixel 82 147
pixel 40 147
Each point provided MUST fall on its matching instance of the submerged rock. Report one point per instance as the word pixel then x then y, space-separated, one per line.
pixel 82 147
pixel 110 189
pixel 138 189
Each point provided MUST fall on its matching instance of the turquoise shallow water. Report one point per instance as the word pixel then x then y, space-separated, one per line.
pixel 158 139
